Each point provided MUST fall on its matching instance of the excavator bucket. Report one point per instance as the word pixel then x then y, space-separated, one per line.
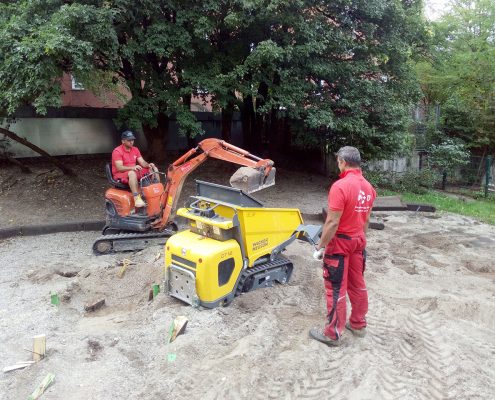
pixel 251 180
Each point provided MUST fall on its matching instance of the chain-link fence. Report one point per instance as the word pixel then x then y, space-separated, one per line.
pixel 476 175
pixel 416 173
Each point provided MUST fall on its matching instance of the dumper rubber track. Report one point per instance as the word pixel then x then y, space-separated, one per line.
pixel 129 241
pixel 249 275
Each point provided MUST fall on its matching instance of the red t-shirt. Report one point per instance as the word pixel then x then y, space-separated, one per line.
pixel 129 158
pixel 354 196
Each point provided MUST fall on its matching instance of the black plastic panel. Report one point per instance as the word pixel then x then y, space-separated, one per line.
pixel 226 194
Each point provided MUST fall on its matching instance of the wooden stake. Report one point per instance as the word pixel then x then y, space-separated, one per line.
pixel 90 307
pixel 180 324
pixel 42 387
pixel 39 347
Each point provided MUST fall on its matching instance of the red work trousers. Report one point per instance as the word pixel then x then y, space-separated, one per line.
pixel 343 272
pixel 124 176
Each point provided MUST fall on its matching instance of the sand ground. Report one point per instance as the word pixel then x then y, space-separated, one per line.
pixel 431 281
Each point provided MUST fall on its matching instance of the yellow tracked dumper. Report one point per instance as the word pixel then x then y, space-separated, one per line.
pixel 233 245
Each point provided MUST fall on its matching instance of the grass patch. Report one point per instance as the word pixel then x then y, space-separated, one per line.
pixel 481 209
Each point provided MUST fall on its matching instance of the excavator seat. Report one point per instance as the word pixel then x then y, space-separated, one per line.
pixel 113 182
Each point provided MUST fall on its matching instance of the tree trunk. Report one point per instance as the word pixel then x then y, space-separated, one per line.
pixel 227 114
pixel 286 135
pixel 66 170
pixel 444 180
pixel 247 119
pixel 273 132
pixel 261 119
pixel 24 168
pixel 156 139
pixel 191 143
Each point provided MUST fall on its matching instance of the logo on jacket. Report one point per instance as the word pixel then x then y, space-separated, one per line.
pixel 363 197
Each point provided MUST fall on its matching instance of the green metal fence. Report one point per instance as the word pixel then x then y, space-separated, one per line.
pixel 477 175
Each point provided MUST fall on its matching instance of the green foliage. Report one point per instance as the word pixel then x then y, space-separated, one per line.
pixel 39 40
pixel 340 70
pixel 448 155
pixel 480 209
pixel 478 194
pixel 460 75
pixel 411 181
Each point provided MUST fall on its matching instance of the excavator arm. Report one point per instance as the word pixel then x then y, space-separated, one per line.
pixel 259 174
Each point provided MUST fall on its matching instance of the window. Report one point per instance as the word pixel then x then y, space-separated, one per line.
pixel 75 84
pixel 225 269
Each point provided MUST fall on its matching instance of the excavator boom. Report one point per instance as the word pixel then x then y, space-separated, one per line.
pixel 256 174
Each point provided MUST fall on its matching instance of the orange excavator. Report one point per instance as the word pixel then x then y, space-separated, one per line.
pixel 128 228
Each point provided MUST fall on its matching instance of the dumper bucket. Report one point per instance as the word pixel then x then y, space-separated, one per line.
pixel 250 180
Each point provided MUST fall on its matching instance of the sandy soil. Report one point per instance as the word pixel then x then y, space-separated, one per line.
pixel 48 196
pixel 431 320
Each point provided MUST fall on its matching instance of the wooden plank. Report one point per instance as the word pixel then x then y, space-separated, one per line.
pixel 374 223
pixel 19 365
pixel 389 203
pixel 421 207
pixel 89 307
pixel 39 347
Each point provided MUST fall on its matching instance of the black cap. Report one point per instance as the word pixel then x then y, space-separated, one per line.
pixel 127 135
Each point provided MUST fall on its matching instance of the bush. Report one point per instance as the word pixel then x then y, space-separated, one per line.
pixel 411 181
pixel 417 181
pixel 481 196
pixel 448 155
pixel 379 179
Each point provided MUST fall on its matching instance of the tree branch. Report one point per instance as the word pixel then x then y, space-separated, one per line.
pixel 13 136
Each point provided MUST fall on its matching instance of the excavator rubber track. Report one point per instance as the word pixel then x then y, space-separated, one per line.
pixel 107 244
pixel 264 275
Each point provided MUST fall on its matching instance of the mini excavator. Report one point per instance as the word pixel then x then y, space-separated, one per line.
pixel 128 228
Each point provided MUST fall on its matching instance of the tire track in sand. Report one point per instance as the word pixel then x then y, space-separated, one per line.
pixel 428 356
pixel 385 349
pixel 328 380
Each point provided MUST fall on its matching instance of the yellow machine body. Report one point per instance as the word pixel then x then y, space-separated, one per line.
pixel 263 229
pixel 212 265
pixel 204 264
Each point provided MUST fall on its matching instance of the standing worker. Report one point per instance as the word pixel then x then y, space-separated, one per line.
pixel 342 248
pixel 128 166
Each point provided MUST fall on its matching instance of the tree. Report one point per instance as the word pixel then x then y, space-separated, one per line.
pixel 108 46
pixel 302 73
pixel 447 156
pixel 461 76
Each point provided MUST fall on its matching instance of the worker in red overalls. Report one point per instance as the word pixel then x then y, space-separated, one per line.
pixel 342 248
pixel 128 166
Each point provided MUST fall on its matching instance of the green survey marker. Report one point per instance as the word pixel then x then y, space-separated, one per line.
pixel 156 290
pixel 54 299
pixel 171 356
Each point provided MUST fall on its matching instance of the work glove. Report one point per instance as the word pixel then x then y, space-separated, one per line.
pixel 318 254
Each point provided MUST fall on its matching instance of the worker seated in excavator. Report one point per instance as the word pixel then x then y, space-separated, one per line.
pixel 129 167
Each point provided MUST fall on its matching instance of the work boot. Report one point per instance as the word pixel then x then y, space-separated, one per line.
pixel 138 202
pixel 361 332
pixel 317 334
